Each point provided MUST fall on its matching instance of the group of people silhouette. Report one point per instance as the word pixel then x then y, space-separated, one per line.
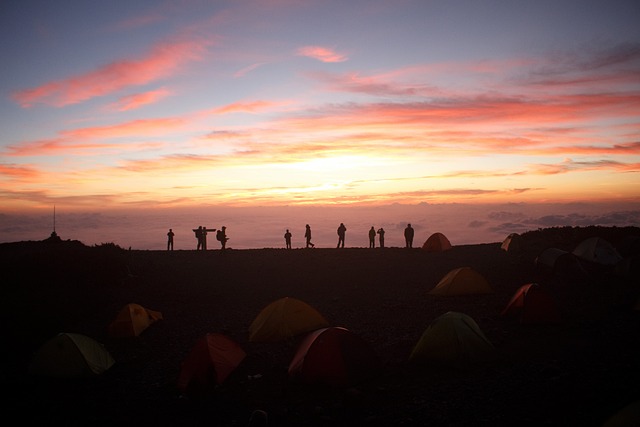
pixel 221 236
pixel 201 236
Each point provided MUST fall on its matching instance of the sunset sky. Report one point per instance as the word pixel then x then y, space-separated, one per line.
pixel 126 108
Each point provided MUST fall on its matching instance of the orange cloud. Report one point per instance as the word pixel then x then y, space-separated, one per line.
pixel 68 140
pixel 322 54
pixel 163 60
pixel 15 171
pixel 138 100
pixel 569 165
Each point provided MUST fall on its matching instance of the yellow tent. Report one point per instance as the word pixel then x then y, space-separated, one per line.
pixel 132 320
pixel 462 281
pixel 283 319
pixel 452 339
pixel 70 356
pixel 437 242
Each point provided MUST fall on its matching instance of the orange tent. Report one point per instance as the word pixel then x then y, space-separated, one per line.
pixel 132 320
pixel 284 319
pixel 437 242
pixel 462 281
pixel 532 304
pixel 211 360
pixel 334 356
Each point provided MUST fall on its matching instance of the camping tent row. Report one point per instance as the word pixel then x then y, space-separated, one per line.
pixel 327 355
pixel 595 250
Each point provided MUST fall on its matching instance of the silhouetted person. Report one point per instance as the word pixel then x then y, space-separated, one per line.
pixel 287 239
pixel 381 233
pixel 372 237
pixel 408 236
pixel 342 231
pixel 307 236
pixel 221 236
pixel 198 232
pixel 170 235
pixel 204 238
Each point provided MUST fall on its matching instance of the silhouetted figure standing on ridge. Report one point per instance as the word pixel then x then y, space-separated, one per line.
pixel 408 236
pixel 372 237
pixel 221 236
pixel 342 231
pixel 307 236
pixel 381 233
pixel 287 239
pixel 198 232
pixel 170 235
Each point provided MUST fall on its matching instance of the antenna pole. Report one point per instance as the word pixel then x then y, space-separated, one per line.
pixel 54 218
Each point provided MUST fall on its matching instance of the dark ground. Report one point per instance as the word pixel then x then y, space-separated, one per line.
pixel 579 372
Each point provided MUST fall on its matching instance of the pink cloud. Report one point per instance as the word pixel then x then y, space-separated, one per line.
pixel 138 100
pixel 245 107
pixel 323 54
pixel 163 61
pixel 248 69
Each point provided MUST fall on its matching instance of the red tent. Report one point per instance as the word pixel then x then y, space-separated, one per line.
pixel 532 304
pixel 334 356
pixel 211 360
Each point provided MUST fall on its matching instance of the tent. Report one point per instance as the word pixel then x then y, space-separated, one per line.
pixel 629 246
pixel 437 242
pixel 513 242
pixel 211 360
pixel 132 320
pixel 462 281
pixel 561 263
pixel 452 339
pixel 532 304
pixel 598 251
pixel 628 416
pixel 284 319
pixel 69 355
pixel 335 357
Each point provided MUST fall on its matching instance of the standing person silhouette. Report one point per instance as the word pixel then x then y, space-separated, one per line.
pixel 198 232
pixel 342 231
pixel 372 237
pixel 307 236
pixel 408 236
pixel 287 239
pixel 221 236
pixel 381 233
pixel 203 234
pixel 170 235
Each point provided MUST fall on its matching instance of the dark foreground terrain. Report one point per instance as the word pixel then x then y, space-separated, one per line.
pixel 578 372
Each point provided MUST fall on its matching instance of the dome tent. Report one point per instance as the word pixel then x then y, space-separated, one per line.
pixel 211 360
pixel 513 242
pixel 452 339
pixel 283 319
pixel 597 251
pixel 69 355
pixel 437 242
pixel 335 357
pixel 532 304
pixel 462 281
pixel 132 320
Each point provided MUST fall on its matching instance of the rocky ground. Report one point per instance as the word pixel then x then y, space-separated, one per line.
pixel 578 372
